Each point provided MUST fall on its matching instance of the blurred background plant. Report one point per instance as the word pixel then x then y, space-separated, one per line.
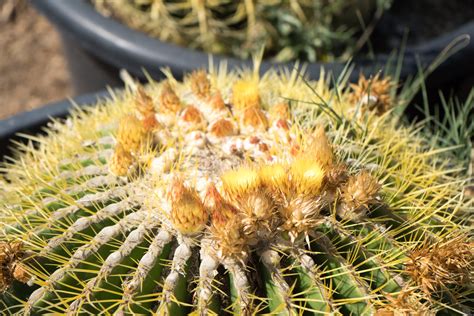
pixel 33 70
pixel 309 30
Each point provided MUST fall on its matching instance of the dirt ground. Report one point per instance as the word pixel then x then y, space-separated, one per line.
pixel 33 71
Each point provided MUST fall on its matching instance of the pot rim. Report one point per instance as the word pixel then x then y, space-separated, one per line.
pixel 135 51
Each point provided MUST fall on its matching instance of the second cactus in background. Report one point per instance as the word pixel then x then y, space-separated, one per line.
pixel 310 30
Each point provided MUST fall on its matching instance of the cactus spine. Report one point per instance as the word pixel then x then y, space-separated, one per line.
pixel 234 193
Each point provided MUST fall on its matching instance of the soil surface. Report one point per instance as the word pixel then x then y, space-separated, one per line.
pixel 33 71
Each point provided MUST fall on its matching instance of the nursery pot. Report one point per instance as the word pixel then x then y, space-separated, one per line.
pixel 97 47
pixel 32 122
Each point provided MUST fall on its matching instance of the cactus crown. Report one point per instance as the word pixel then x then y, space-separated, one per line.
pixel 297 29
pixel 217 195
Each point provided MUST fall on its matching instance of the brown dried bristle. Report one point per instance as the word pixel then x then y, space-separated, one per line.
pixel 300 215
pixel 213 200
pixel 442 264
pixel 200 84
pixel 384 312
pixel 405 303
pixel 336 177
pixel 222 128
pixel 10 267
pixel 280 111
pixel 226 224
pixel 169 100
pixel 255 118
pixel 373 93
pixel 258 216
pixel 192 115
pixel 283 124
pixel 359 192
pixel 150 123
pixel 227 231
pixel 20 274
pixel 221 210
pixel 216 102
pixel 146 110
pixel 144 103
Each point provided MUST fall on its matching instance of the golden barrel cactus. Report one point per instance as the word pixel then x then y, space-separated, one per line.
pixel 174 198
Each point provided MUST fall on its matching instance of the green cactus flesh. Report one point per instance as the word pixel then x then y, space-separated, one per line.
pixel 233 193
pixel 297 29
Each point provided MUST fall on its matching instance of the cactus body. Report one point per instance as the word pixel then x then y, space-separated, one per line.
pixel 141 205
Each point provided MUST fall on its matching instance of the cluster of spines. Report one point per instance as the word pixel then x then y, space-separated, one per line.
pixel 133 134
pixel 353 253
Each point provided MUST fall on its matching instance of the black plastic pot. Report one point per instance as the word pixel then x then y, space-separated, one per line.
pixel 97 47
pixel 32 122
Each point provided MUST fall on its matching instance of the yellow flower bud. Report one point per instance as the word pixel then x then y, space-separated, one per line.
pixel 239 181
pixel 245 95
pixel 307 175
pixel 320 148
pixel 121 161
pixel 274 176
pixel 188 214
pixel 131 133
